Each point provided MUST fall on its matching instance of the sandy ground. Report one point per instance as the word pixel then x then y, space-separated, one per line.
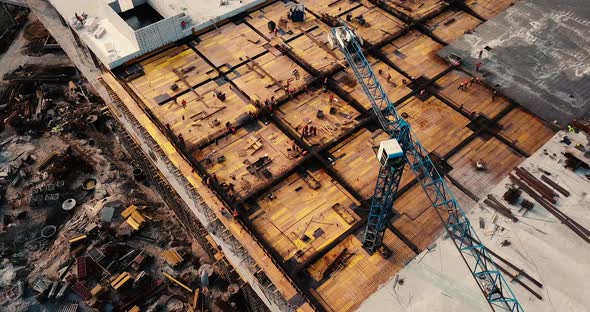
pixel 438 280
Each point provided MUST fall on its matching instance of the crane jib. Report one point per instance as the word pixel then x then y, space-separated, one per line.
pixel 490 280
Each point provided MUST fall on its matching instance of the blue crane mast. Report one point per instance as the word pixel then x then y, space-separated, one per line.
pixel 404 148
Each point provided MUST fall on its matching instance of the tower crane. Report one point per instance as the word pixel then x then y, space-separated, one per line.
pixel 404 148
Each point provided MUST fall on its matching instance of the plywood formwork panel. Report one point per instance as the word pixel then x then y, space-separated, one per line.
pixel 300 220
pixel 476 98
pixel 525 130
pixel 394 86
pixel 488 9
pixel 267 76
pixel 452 24
pixel 438 127
pixel 417 9
pixel 361 275
pixel 415 53
pixel 238 149
pixel 231 44
pixel 355 161
pixel 380 24
pixel 321 57
pixel 499 159
pixel 303 110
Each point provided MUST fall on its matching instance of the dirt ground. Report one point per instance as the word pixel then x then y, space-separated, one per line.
pixel 16 54
pixel 59 138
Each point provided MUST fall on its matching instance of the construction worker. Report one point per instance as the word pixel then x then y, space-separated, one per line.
pixel 295 73
pixel 571 129
pixel 479 165
pixel 313 131
pixel 472 81
pixel 183 103
pixel 181 140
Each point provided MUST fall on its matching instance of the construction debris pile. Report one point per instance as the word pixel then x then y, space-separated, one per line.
pixel 80 227
pixel 39 40
pixel 11 20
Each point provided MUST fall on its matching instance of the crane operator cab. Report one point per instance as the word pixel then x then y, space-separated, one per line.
pixel 390 153
pixel 342 37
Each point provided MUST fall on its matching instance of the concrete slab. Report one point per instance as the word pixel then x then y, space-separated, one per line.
pixel 539 56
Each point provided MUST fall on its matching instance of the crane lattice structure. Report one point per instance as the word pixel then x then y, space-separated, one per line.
pixel 485 272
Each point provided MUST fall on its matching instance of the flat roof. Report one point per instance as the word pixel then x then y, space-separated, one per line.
pixel 539 56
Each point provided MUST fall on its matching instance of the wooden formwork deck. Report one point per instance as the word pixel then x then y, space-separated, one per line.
pixel 475 99
pixel 303 111
pixel 277 12
pixel 498 158
pixel 331 7
pixel 348 286
pixel 415 53
pixel 488 9
pixel 307 227
pixel 438 127
pixel 162 71
pixel 267 76
pixel 452 24
pixel 417 9
pixel 320 56
pixel 231 44
pixel 354 159
pixel 304 217
pixel 394 86
pixel 379 24
pixel 525 130
pixel 239 149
